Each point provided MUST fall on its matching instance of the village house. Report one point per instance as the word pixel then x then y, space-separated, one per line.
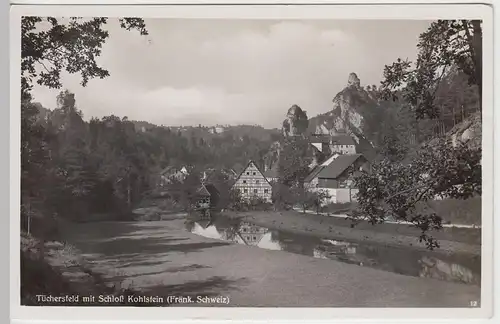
pixel 342 143
pixel 335 176
pixel 320 141
pixel 252 183
pixel 171 173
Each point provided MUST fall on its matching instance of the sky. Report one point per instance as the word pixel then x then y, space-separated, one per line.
pixel 194 71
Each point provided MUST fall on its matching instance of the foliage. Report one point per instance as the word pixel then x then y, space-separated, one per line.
pixel 282 196
pixel 236 201
pixel 53 45
pixel 402 190
pixel 307 198
pixel 294 161
pixel 403 183
pixel 445 44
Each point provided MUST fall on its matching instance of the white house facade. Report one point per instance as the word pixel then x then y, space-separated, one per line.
pixel 252 183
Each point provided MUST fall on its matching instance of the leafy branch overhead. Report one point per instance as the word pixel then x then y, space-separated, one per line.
pixel 404 181
pixel 445 44
pixel 49 46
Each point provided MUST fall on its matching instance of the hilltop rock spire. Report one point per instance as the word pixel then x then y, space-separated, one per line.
pixel 353 80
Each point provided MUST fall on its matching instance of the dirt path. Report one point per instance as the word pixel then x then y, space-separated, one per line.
pixel 161 258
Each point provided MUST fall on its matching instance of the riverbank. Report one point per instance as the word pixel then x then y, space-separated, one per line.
pixel 161 258
pixel 56 274
pixel 451 240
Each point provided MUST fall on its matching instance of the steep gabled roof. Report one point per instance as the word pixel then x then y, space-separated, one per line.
pixel 342 140
pixel 314 172
pixel 338 166
pixel 320 138
pixel 246 167
pixel 212 190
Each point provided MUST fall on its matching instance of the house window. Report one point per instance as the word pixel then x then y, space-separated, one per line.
pixel 266 190
pixel 254 173
pixel 257 181
pixel 255 191
pixel 244 181
pixel 248 173
pixel 245 191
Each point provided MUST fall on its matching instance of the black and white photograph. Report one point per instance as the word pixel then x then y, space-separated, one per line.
pixel 231 162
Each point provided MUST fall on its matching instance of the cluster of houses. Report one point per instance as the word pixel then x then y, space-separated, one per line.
pixel 333 175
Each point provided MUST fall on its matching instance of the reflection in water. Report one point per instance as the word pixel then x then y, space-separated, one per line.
pixel 394 259
pixel 435 268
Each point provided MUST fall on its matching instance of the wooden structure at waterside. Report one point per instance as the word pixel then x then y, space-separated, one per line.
pixel 205 200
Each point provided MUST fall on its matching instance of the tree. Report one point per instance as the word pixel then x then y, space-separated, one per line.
pixel 320 197
pixel 308 198
pixel 71 44
pixel 49 46
pixel 445 44
pixel 236 201
pixel 294 160
pixel 400 185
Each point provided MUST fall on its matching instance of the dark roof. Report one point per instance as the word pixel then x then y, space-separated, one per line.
pixel 314 172
pixel 212 190
pixel 320 138
pixel 342 140
pixel 338 166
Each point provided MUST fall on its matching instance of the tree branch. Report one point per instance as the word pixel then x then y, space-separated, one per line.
pixel 406 190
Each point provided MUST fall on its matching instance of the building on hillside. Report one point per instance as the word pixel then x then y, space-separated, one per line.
pixel 342 143
pixel 216 129
pixel 335 176
pixel 170 173
pixel 320 141
pixel 252 183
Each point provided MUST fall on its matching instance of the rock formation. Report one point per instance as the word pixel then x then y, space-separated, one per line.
pixel 296 122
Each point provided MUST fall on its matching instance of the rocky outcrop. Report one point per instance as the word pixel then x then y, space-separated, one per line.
pixel 352 110
pixel 296 122
pixel 468 132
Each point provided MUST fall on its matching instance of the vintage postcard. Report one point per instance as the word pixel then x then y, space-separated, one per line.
pixel 252 162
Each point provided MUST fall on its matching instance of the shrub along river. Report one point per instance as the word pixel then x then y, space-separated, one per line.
pixel 406 261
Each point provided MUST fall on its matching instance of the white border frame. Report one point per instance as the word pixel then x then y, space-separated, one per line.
pixel 387 11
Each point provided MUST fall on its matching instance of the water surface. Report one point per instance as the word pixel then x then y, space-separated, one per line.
pixel 401 260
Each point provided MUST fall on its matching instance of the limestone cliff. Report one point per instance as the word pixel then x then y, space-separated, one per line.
pixel 354 111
